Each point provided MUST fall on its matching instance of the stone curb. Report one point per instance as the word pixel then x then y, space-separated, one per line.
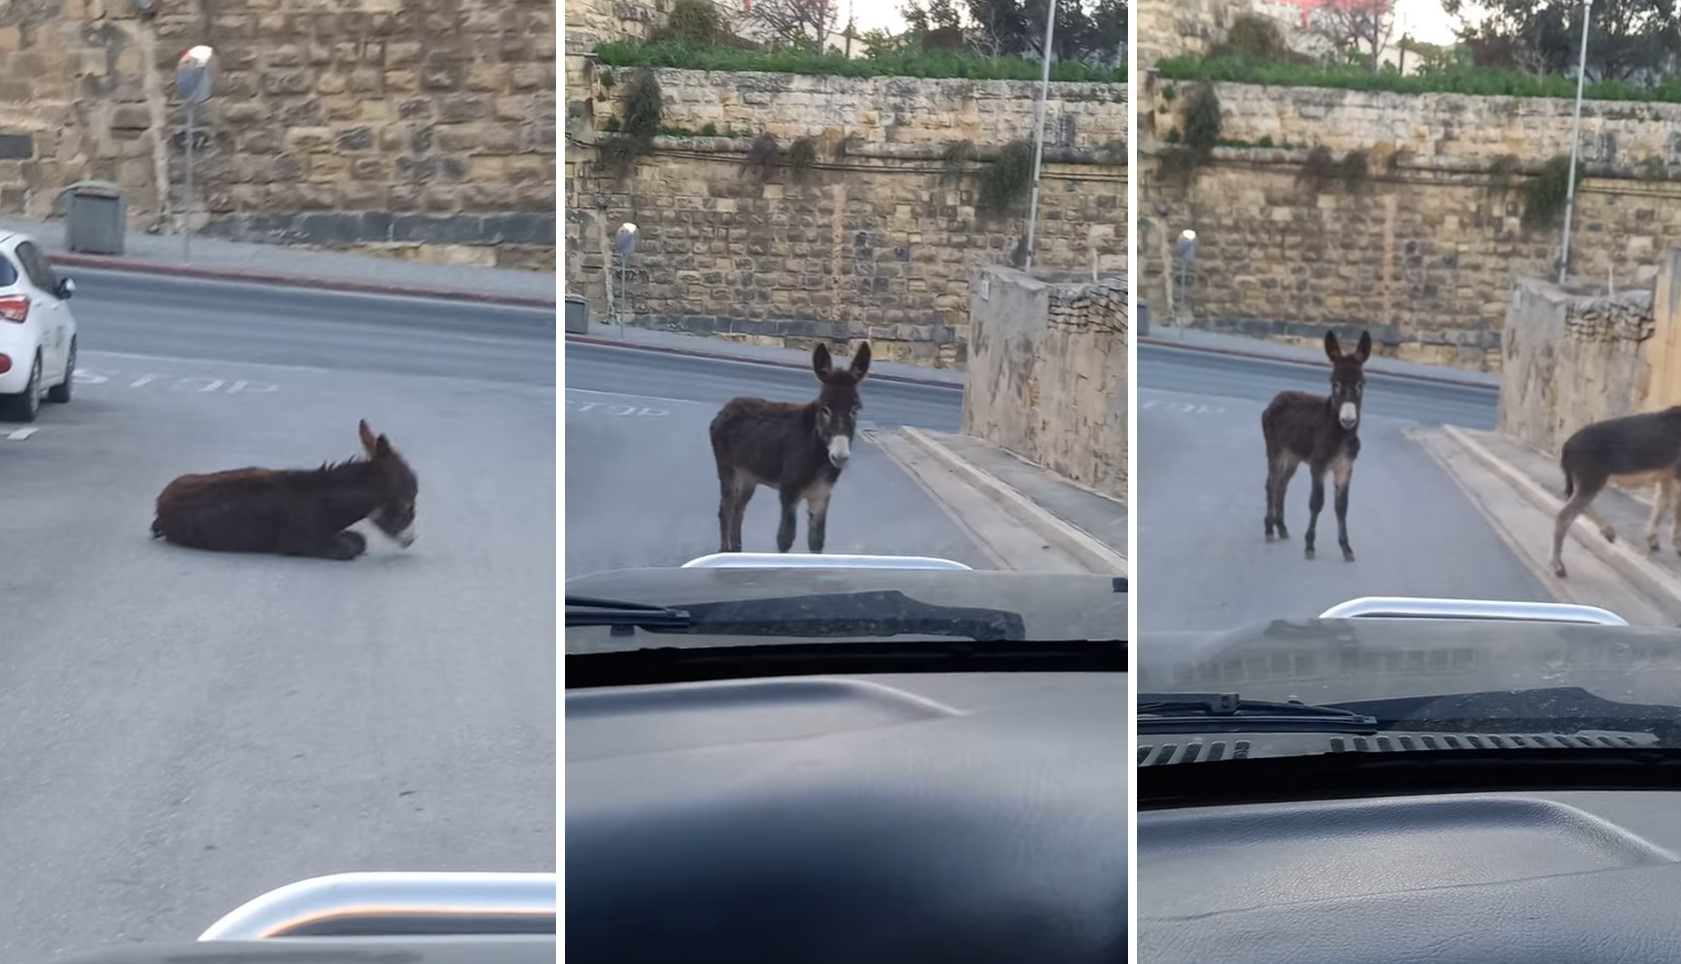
pixel 767 362
pixel 245 276
pixel 1264 356
pixel 1649 579
pixel 1066 536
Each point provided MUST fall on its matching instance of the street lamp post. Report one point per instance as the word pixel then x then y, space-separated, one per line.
pixel 1575 134
pixel 1185 252
pixel 624 242
pixel 1039 133
pixel 195 79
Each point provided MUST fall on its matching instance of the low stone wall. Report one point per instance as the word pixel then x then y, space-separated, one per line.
pixel 1047 376
pixel 1573 357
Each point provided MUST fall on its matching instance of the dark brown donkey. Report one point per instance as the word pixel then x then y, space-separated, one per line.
pixel 1630 451
pixel 798 450
pixel 293 512
pixel 1322 431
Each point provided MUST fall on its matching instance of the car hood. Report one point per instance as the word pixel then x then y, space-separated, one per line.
pixel 1334 660
pixel 1053 606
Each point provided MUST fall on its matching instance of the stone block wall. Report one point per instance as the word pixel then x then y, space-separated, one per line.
pixel 1047 376
pixel 875 241
pixel 407 128
pixel 1426 248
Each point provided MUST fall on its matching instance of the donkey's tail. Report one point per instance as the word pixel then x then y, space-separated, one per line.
pixel 1569 483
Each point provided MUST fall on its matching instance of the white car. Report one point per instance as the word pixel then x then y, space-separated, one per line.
pixel 37 330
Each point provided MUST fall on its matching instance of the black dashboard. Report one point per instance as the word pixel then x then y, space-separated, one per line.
pixel 967 817
pixel 1582 876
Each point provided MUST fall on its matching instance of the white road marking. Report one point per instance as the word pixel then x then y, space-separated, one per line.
pixel 643 398
pixel 623 411
pixel 197 384
pixel 18 435
pixel 1180 408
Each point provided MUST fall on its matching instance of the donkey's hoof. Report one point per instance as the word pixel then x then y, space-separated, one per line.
pixel 1558 570
pixel 1308 552
pixel 348 545
pixel 1271 537
pixel 1609 534
pixel 1347 554
pixel 1651 545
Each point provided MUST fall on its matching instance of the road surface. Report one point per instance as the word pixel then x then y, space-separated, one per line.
pixel 1204 560
pixel 641 489
pixel 181 731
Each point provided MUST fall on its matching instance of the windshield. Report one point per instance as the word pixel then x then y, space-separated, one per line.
pixel 805 351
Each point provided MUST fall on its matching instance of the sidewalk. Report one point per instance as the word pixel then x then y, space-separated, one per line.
pixel 240 261
pixel 1221 343
pixel 1024 516
pixel 700 346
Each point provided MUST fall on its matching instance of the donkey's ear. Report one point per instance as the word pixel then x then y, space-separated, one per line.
pixel 820 360
pixel 1365 350
pixel 1333 350
pixel 382 447
pixel 369 443
pixel 861 362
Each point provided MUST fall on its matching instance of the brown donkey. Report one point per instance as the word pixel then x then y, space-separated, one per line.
pixel 798 450
pixel 293 512
pixel 1629 452
pixel 1322 431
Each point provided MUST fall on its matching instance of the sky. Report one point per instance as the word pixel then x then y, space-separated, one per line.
pixel 1423 19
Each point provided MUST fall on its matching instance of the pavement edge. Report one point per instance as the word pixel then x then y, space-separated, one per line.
pixel 1260 354
pixel 1650 580
pixel 242 276
pixel 1064 535
pixel 717 355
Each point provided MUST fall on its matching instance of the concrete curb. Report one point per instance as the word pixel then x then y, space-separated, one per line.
pixel 1632 565
pixel 765 362
pixel 1264 356
pixel 1065 536
pixel 245 276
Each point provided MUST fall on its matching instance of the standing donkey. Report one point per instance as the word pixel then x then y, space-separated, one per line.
pixel 798 450
pixel 1629 452
pixel 1322 431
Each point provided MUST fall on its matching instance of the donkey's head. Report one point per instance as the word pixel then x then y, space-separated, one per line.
pixel 1348 378
pixel 394 512
pixel 838 402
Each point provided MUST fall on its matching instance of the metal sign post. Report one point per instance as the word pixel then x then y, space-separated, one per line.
pixel 195 78
pixel 1039 110
pixel 624 242
pixel 1575 138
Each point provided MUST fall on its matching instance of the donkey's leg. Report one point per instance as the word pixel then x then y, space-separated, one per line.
pixel 1605 528
pixel 744 489
pixel 1342 473
pixel 340 546
pixel 1283 472
pixel 1315 502
pixel 1660 502
pixel 785 531
pixel 817 514
pixel 1674 488
pixel 1579 502
pixel 1272 472
pixel 728 496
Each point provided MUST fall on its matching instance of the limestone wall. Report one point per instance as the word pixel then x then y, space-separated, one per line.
pixel 1572 356
pixel 1427 246
pixel 1047 376
pixel 877 241
pixel 409 128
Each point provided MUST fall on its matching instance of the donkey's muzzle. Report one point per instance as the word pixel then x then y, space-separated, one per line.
pixel 840 449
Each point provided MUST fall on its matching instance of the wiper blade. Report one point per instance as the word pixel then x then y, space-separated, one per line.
pixel 676 664
pixel 821 615
pixel 593 611
pixel 1229 712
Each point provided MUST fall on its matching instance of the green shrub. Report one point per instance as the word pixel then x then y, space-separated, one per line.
pixel 885 63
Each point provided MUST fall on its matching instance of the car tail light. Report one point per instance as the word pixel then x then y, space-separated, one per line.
pixel 14 308
pixel 5 364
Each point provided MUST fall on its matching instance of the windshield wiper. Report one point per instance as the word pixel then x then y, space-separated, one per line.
pixel 592 611
pixel 676 664
pixel 824 615
pixel 1230 713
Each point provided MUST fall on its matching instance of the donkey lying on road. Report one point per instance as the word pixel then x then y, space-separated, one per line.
pixel 1322 431
pixel 798 450
pixel 1630 451
pixel 294 512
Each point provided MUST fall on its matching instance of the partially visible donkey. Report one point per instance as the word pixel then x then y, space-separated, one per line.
pixel 798 450
pixel 1630 452
pixel 1324 432
pixel 293 512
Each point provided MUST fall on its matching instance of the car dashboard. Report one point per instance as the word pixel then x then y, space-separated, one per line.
pixel 977 817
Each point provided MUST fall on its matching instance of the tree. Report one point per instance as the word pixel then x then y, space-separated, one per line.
pixel 1086 30
pixel 797 23
pixel 1634 40
pixel 1359 27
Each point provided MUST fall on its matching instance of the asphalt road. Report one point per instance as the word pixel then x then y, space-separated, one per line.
pixel 1205 563
pixel 180 731
pixel 641 489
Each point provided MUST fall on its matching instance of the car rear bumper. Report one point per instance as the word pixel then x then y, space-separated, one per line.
pixel 16 346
